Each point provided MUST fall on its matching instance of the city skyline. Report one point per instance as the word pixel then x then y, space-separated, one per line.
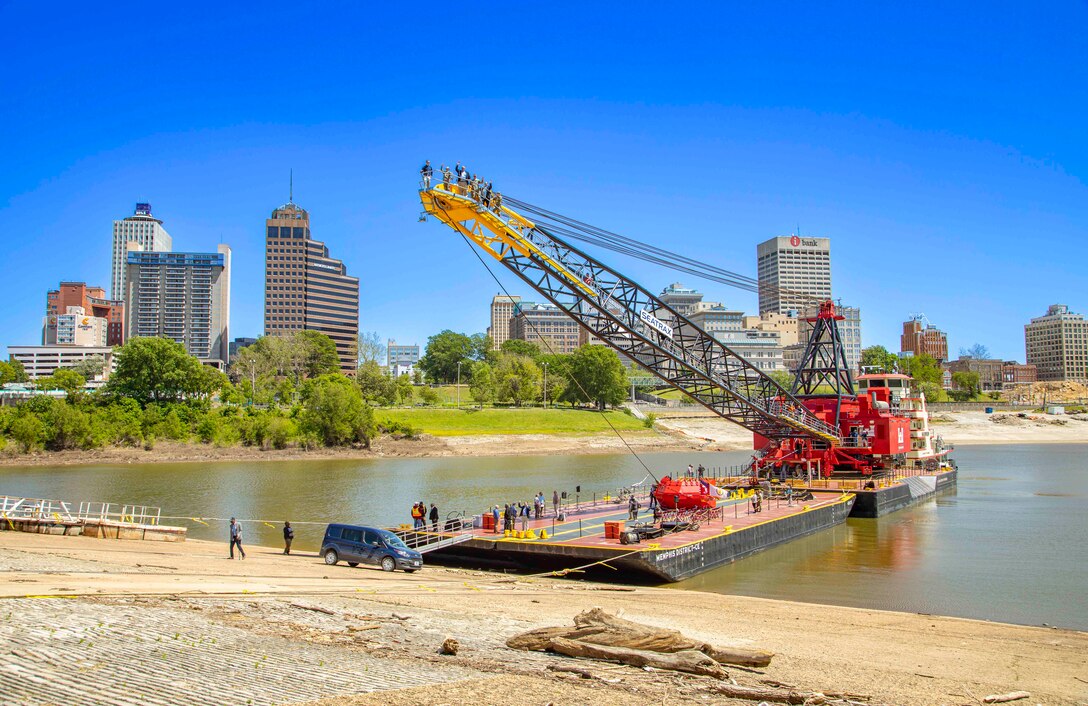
pixel 930 182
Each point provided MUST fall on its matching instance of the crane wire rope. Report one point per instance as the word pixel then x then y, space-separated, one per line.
pixel 593 235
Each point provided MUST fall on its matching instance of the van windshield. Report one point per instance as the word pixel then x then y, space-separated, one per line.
pixel 392 540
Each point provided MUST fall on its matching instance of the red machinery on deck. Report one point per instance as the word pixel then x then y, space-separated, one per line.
pixel 686 493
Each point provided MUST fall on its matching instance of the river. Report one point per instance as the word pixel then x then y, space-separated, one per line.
pixel 1011 544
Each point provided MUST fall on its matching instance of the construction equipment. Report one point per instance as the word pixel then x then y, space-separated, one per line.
pixel 806 428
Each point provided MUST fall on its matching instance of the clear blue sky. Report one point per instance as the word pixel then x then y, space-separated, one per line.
pixel 942 148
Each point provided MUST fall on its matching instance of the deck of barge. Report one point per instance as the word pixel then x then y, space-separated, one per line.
pixel 735 531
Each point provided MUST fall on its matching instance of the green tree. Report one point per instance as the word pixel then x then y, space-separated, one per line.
pixel 428 396
pixel 597 376
pixel 91 367
pixel 158 370
pixel 517 347
pixel 517 379
pixel 404 388
pixel 966 382
pixel 317 352
pixel 62 379
pixel 67 427
pixel 482 387
pixel 334 412
pixel 375 384
pixel 923 368
pixel 444 351
pixel 370 348
pixel 12 371
pixel 783 378
pixel 557 375
pixel 28 431
pixel 880 358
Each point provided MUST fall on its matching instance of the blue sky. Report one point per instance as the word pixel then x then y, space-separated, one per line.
pixel 941 148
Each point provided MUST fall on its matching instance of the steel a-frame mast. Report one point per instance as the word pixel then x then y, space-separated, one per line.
pixel 627 317
pixel 823 371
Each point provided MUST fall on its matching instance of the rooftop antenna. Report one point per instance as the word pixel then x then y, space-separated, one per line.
pixel 291 188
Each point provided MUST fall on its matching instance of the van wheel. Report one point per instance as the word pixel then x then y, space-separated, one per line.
pixel 331 557
pixel 388 564
pixel 353 563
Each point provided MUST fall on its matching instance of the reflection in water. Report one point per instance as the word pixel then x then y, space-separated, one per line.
pixel 1011 544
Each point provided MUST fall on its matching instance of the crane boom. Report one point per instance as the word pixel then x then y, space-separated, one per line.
pixel 627 317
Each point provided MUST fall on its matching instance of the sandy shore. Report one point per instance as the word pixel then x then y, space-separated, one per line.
pixel 174 610
pixel 684 430
pixel 956 428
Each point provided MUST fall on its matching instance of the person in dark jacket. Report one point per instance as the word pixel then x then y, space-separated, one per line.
pixel 434 518
pixel 236 538
pixel 288 537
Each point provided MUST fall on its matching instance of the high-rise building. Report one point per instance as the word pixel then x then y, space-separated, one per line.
pixel 794 273
pixel 919 338
pixel 1057 344
pixel 181 296
pixel 547 326
pixel 305 288
pixel 75 327
pixel 143 229
pixel 94 303
pixel 502 318
pixel 849 331
pixel 683 300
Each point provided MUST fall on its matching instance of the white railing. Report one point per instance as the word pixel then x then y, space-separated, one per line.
pixel 18 508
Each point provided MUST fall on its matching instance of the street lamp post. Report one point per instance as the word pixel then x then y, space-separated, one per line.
pixel 458 384
pixel 545 386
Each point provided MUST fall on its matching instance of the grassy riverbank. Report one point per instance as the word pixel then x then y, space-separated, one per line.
pixel 160 617
pixel 472 421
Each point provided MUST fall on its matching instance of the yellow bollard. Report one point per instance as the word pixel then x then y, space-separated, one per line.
pixel 543 534
pixel 530 535
pixel 506 533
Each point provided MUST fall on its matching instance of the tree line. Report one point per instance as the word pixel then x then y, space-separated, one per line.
pixel 283 390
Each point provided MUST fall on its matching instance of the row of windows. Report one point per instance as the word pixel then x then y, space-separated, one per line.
pixel 288 232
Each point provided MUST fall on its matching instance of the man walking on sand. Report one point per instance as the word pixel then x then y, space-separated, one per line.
pixel 288 537
pixel 236 538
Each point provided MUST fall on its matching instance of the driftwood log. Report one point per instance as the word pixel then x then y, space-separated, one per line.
pixel 689 661
pixel 1005 698
pixel 600 628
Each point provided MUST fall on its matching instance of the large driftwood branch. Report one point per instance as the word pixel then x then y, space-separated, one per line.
pixel 600 628
pixel 688 661
pixel 1005 698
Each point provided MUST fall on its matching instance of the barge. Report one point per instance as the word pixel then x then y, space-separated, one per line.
pixel 597 539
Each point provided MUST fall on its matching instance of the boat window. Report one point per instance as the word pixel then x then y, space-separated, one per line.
pixel 877 383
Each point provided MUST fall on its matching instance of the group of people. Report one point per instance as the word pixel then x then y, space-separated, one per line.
pixel 235 533
pixel 696 472
pixel 471 185
pixel 507 517
pixel 420 515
